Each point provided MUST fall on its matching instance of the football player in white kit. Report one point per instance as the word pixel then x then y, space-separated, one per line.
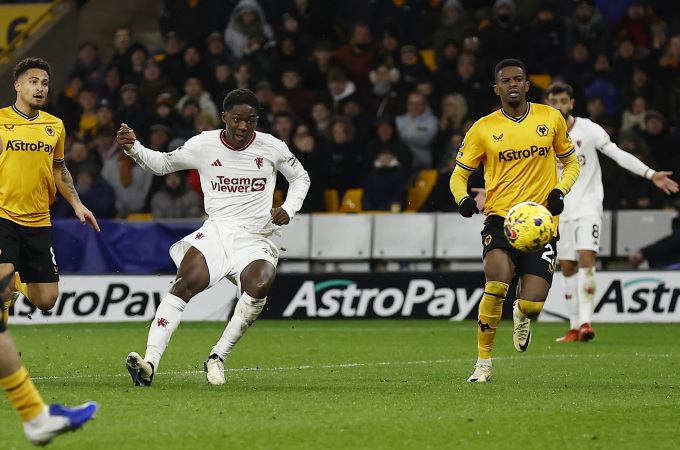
pixel 581 220
pixel 237 168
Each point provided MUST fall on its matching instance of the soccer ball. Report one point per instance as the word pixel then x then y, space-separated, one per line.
pixel 528 226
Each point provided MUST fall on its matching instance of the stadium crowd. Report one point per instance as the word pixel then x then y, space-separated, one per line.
pixel 367 93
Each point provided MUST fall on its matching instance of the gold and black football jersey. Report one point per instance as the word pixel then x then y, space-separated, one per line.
pixel 29 147
pixel 519 156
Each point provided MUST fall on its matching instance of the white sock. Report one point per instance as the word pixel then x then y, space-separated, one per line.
pixel 587 288
pixel 166 321
pixel 484 362
pixel 572 298
pixel 246 311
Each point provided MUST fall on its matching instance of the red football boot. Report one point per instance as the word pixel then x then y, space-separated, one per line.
pixel 571 336
pixel 585 333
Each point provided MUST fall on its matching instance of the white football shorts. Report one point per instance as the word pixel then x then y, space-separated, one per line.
pixel 227 250
pixel 581 234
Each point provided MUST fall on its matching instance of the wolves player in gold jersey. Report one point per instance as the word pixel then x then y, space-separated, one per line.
pixel 41 423
pixel 519 146
pixel 31 169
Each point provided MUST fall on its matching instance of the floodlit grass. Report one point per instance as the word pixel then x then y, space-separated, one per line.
pixel 361 384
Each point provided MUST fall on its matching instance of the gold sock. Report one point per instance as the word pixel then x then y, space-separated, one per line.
pixel 529 309
pixel 19 286
pixel 23 394
pixel 490 311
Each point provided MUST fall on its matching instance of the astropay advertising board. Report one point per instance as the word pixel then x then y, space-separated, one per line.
pixel 621 297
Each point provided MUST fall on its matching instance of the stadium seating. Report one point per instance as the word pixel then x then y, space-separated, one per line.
pixel 637 228
pixel 332 200
pixel 390 241
pixel 351 201
pixel 417 194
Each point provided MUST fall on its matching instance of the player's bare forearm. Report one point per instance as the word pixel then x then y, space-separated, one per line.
pixel 64 182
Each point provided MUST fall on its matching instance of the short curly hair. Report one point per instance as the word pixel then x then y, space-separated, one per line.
pixel 30 63
pixel 240 97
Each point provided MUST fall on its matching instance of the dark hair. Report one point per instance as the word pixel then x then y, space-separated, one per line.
pixel 30 63
pixel 508 63
pixel 240 97
pixel 559 88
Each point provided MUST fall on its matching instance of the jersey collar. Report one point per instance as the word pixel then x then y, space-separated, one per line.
pixel 518 119
pixel 16 110
pixel 223 138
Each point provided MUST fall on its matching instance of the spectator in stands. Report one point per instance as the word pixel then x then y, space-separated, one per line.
pixel 176 200
pixel 104 114
pixel 342 155
pixel 317 66
pixel 131 110
pixel 217 52
pixel 454 113
pixel 299 98
pixel 164 113
pixel 159 137
pixel 193 89
pixel 193 65
pixel 595 107
pixel 122 40
pixel 94 192
pixel 78 154
pixel 87 99
pixel 588 27
pixel 283 126
pixel 242 75
pixel 418 129
pixel 357 55
pixel 454 21
pixel 546 35
pixel 172 59
pixel 105 144
pixel 662 254
pixel 204 122
pixel 246 21
pixel 469 83
pixel 155 83
pixel 634 115
pixel 389 49
pixel 384 99
pixel 224 81
pixel 321 119
pixel 385 186
pixel 190 110
pixel 504 35
pixel 110 89
pixel 636 24
pixel 411 66
pixel 363 123
pixel 658 138
pixel 134 72
pixel 192 20
pixel 89 63
pixel 129 181
pixel 67 100
pixel 339 89
pixel 305 149
pixel 386 137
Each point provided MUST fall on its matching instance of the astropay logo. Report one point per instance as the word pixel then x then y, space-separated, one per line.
pixel 640 296
pixel 240 185
pixel 344 298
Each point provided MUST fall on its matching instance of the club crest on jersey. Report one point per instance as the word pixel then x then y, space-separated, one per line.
pixel 49 130
pixel 258 161
pixel 542 130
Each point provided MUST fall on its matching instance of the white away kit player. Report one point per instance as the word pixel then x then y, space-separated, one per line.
pixel 581 220
pixel 237 168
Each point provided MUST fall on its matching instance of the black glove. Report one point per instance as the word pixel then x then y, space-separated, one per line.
pixel 467 207
pixel 555 202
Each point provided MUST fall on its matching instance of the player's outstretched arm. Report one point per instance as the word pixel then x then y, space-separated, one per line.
pixel 662 181
pixel 64 182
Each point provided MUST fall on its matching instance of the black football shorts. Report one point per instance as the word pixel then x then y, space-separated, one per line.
pixel 541 263
pixel 30 250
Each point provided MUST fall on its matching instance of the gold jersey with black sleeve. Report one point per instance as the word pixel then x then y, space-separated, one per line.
pixel 520 158
pixel 29 146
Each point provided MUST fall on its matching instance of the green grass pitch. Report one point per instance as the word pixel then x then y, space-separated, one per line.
pixel 367 384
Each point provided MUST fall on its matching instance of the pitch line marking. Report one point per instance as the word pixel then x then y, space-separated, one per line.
pixel 350 365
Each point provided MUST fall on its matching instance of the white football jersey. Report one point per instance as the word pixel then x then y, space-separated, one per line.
pixel 238 184
pixel 586 196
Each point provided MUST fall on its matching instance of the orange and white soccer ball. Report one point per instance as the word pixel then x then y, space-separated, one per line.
pixel 528 226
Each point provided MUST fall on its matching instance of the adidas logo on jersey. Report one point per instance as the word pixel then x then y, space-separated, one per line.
pixel 216 163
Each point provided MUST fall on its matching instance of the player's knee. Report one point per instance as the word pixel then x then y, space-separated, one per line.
pixel 530 309
pixel 45 302
pixel 497 290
